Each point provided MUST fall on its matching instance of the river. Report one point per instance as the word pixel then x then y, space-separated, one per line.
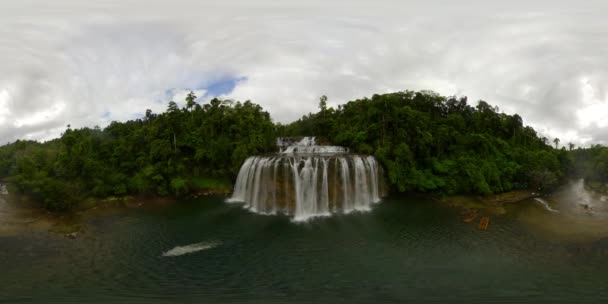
pixel 405 249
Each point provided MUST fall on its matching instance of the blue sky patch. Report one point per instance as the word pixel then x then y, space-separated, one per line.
pixel 214 88
pixel 222 86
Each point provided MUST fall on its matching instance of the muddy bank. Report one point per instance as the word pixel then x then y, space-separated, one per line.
pixel 490 204
pixel 19 213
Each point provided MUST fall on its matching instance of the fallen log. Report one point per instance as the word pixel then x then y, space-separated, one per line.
pixel 483 223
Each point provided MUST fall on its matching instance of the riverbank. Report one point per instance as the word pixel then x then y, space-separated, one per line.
pixel 27 214
pixel 598 187
pixel 20 213
pixel 493 204
pixel 194 187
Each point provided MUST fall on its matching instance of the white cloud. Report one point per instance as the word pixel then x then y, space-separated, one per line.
pixel 4 106
pixel 103 62
pixel 39 117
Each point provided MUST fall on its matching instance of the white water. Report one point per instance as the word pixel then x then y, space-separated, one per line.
pixel 181 250
pixel 545 204
pixel 305 184
pixel 3 190
pixel 307 145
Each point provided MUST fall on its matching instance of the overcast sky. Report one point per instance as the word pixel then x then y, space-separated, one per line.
pixel 86 63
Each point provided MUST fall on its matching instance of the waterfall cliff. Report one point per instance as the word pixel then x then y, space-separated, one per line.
pixel 307 180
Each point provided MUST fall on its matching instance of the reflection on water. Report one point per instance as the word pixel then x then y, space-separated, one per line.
pixel 18 217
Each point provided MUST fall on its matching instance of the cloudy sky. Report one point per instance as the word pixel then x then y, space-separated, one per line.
pixel 86 63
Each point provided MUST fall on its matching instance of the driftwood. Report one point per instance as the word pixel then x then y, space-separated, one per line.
pixel 483 223
pixel 470 217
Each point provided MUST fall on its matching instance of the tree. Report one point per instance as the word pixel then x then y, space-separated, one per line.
pixel 172 107
pixel 190 101
pixel 556 142
pixel 570 146
pixel 149 116
pixel 544 140
pixel 323 103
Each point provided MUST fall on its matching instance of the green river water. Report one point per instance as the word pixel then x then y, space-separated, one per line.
pixel 406 249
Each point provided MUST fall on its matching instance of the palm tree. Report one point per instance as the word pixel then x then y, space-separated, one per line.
pixel 556 142
pixel 571 146
pixel 190 100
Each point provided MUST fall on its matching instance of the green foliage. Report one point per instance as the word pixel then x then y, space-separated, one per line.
pixel 591 164
pixel 179 186
pixel 211 183
pixel 431 143
pixel 157 155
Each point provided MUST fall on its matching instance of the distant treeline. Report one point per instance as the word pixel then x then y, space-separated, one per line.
pixel 426 143
pixel 592 165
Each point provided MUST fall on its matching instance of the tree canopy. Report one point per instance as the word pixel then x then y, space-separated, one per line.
pixel 431 143
pixel 159 154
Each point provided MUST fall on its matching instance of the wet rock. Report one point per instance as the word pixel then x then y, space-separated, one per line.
pixel 72 235
pixel 587 208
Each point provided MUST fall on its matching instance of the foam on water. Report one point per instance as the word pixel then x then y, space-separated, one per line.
pixel 3 190
pixel 181 250
pixel 545 204
pixel 307 145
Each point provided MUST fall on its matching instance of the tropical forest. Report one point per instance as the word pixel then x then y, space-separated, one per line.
pixel 427 143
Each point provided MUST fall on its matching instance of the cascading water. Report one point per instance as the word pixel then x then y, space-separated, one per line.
pixel 307 180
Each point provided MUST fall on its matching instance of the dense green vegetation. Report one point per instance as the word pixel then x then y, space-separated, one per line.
pixel 426 143
pixel 160 154
pixel 592 165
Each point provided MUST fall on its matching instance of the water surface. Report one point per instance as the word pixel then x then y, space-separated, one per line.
pixel 207 251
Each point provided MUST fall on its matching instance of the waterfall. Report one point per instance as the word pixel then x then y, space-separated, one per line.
pixel 308 145
pixel 306 180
